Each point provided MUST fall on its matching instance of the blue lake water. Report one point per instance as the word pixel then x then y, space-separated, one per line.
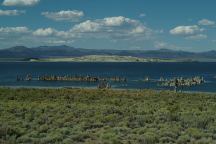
pixel 134 72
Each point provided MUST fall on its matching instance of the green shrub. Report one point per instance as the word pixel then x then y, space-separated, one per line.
pixel 195 133
pixel 105 116
pixel 148 138
pixel 183 139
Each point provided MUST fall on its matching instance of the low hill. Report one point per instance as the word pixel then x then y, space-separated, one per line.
pixel 68 52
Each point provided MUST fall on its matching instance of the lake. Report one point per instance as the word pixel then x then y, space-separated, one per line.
pixel 134 72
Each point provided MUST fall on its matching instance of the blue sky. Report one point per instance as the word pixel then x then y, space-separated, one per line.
pixel 109 24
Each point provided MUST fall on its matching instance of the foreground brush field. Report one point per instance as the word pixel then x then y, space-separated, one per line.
pixel 68 116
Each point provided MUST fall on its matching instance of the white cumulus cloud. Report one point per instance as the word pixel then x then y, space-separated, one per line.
pixel 139 29
pixel 20 2
pixel 186 30
pixel 118 27
pixel 111 25
pixel 206 22
pixel 87 26
pixel 68 15
pixel 116 21
pixel 51 32
pixel 14 30
pixel 44 32
pixel 11 12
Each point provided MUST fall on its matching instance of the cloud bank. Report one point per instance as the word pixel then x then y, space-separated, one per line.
pixel 69 15
pixel 11 12
pixel 8 30
pixel 20 2
pixel 185 30
pixel 206 22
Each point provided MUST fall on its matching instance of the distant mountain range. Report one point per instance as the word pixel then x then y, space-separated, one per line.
pixel 66 51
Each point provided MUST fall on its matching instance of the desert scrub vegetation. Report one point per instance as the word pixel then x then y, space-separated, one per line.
pixel 44 116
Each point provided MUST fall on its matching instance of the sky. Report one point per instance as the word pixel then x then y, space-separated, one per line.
pixel 188 25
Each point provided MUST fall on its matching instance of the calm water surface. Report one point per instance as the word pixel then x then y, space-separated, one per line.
pixel 134 72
